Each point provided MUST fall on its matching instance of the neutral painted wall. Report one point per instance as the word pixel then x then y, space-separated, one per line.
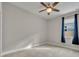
pixel 55 32
pixel 0 27
pixel 21 28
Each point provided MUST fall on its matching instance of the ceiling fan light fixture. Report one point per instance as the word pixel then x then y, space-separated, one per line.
pixel 49 10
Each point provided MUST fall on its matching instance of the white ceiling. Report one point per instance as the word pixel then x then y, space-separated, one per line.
pixel 35 7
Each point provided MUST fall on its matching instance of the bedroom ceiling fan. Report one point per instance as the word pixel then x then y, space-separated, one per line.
pixel 49 7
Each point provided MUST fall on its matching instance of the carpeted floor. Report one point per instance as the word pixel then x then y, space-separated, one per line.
pixel 44 51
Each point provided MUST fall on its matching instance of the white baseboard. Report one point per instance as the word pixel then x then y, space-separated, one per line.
pixel 11 51
pixel 64 46
pixel 40 43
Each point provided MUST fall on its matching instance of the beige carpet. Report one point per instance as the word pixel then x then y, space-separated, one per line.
pixel 44 51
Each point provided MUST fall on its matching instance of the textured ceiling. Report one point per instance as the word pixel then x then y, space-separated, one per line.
pixel 35 7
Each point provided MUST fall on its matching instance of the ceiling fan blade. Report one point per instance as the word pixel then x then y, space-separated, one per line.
pixel 55 10
pixel 48 3
pixel 43 4
pixel 42 10
pixel 54 4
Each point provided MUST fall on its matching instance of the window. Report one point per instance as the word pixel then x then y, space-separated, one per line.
pixel 69 27
pixel 70 30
